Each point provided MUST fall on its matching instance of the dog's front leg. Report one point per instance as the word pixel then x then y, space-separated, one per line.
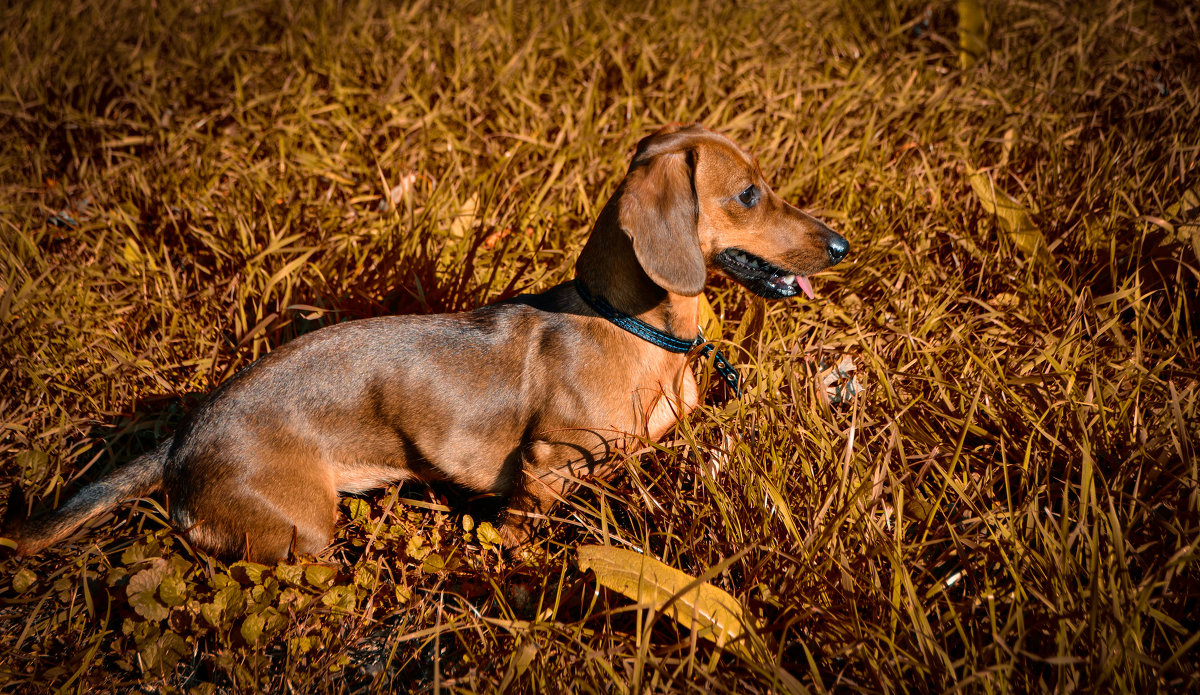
pixel 550 471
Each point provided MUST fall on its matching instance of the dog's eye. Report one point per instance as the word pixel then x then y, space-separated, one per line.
pixel 749 197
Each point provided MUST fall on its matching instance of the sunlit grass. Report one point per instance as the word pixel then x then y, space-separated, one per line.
pixel 1008 505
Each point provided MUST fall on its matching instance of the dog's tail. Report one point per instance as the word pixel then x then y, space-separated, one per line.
pixel 139 477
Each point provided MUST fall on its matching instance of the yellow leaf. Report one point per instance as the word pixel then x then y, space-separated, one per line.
pixel 1014 218
pixel 23 579
pixel 359 509
pixel 1187 213
pixel 132 254
pixel 972 37
pixel 710 325
pixel 466 218
pixel 711 612
pixel 488 534
pixel 433 563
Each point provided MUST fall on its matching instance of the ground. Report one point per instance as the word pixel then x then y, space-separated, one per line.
pixel 969 463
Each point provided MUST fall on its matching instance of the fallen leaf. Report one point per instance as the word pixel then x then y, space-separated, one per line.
pixel 23 579
pixel 401 190
pixel 1014 218
pixel 711 612
pixel 1187 212
pixel 841 384
pixel 465 218
pixel 490 241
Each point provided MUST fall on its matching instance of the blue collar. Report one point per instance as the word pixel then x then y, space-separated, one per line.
pixel 665 341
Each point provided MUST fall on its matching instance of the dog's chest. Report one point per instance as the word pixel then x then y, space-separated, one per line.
pixel 672 402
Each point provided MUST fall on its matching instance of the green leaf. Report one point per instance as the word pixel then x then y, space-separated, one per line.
pixel 320 576
pixel 1014 218
pixel 711 612
pixel 150 652
pixel 173 591
pixel 290 574
pixel 148 579
pixel 340 598
pixel 300 645
pixel 486 533
pixel 211 612
pixel 416 548
pixel 252 571
pixel 32 463
pixel 133 554
pixel 359 509
pixel 231 599
pixel 23 579
pixel 252 628
pixel 365 577
pixel 171 648
pixel 433 563
pixel 972 35
pixel 144 603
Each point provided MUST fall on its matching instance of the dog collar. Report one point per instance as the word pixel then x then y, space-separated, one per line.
pixel 662 339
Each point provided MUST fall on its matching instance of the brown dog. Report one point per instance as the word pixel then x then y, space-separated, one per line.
pixel 515 399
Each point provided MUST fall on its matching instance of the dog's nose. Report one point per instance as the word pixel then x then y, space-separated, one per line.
pixel 837 247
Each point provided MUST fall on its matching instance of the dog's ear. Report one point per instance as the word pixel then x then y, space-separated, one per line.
pixel 659 211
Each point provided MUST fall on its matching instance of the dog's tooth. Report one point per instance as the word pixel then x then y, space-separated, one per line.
pixel 788 279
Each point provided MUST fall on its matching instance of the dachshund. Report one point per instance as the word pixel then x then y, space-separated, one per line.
pixel 516 399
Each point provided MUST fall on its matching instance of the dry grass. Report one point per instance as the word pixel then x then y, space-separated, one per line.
pixel 1010 505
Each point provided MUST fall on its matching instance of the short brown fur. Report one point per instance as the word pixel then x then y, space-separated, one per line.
pixel 517 398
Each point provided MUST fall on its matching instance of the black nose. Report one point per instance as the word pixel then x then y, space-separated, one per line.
pixel 837 248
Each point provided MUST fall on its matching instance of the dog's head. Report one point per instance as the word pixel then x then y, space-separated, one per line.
pixel 692 200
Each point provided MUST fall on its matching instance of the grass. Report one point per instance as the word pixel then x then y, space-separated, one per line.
pixel 1009 504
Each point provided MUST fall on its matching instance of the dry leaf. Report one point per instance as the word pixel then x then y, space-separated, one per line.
pixel 841 385
pixel 711 612
pixel 1013 217
pixel 465 218
pixel 710 325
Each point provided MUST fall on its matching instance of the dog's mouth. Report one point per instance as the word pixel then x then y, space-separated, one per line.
pixel 763 278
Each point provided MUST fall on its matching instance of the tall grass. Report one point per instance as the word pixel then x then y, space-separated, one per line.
pixel 1009 503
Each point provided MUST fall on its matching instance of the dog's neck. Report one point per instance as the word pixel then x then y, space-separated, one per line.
pixel 608 267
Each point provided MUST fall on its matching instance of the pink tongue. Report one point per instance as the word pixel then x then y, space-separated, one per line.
pixel 806 286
